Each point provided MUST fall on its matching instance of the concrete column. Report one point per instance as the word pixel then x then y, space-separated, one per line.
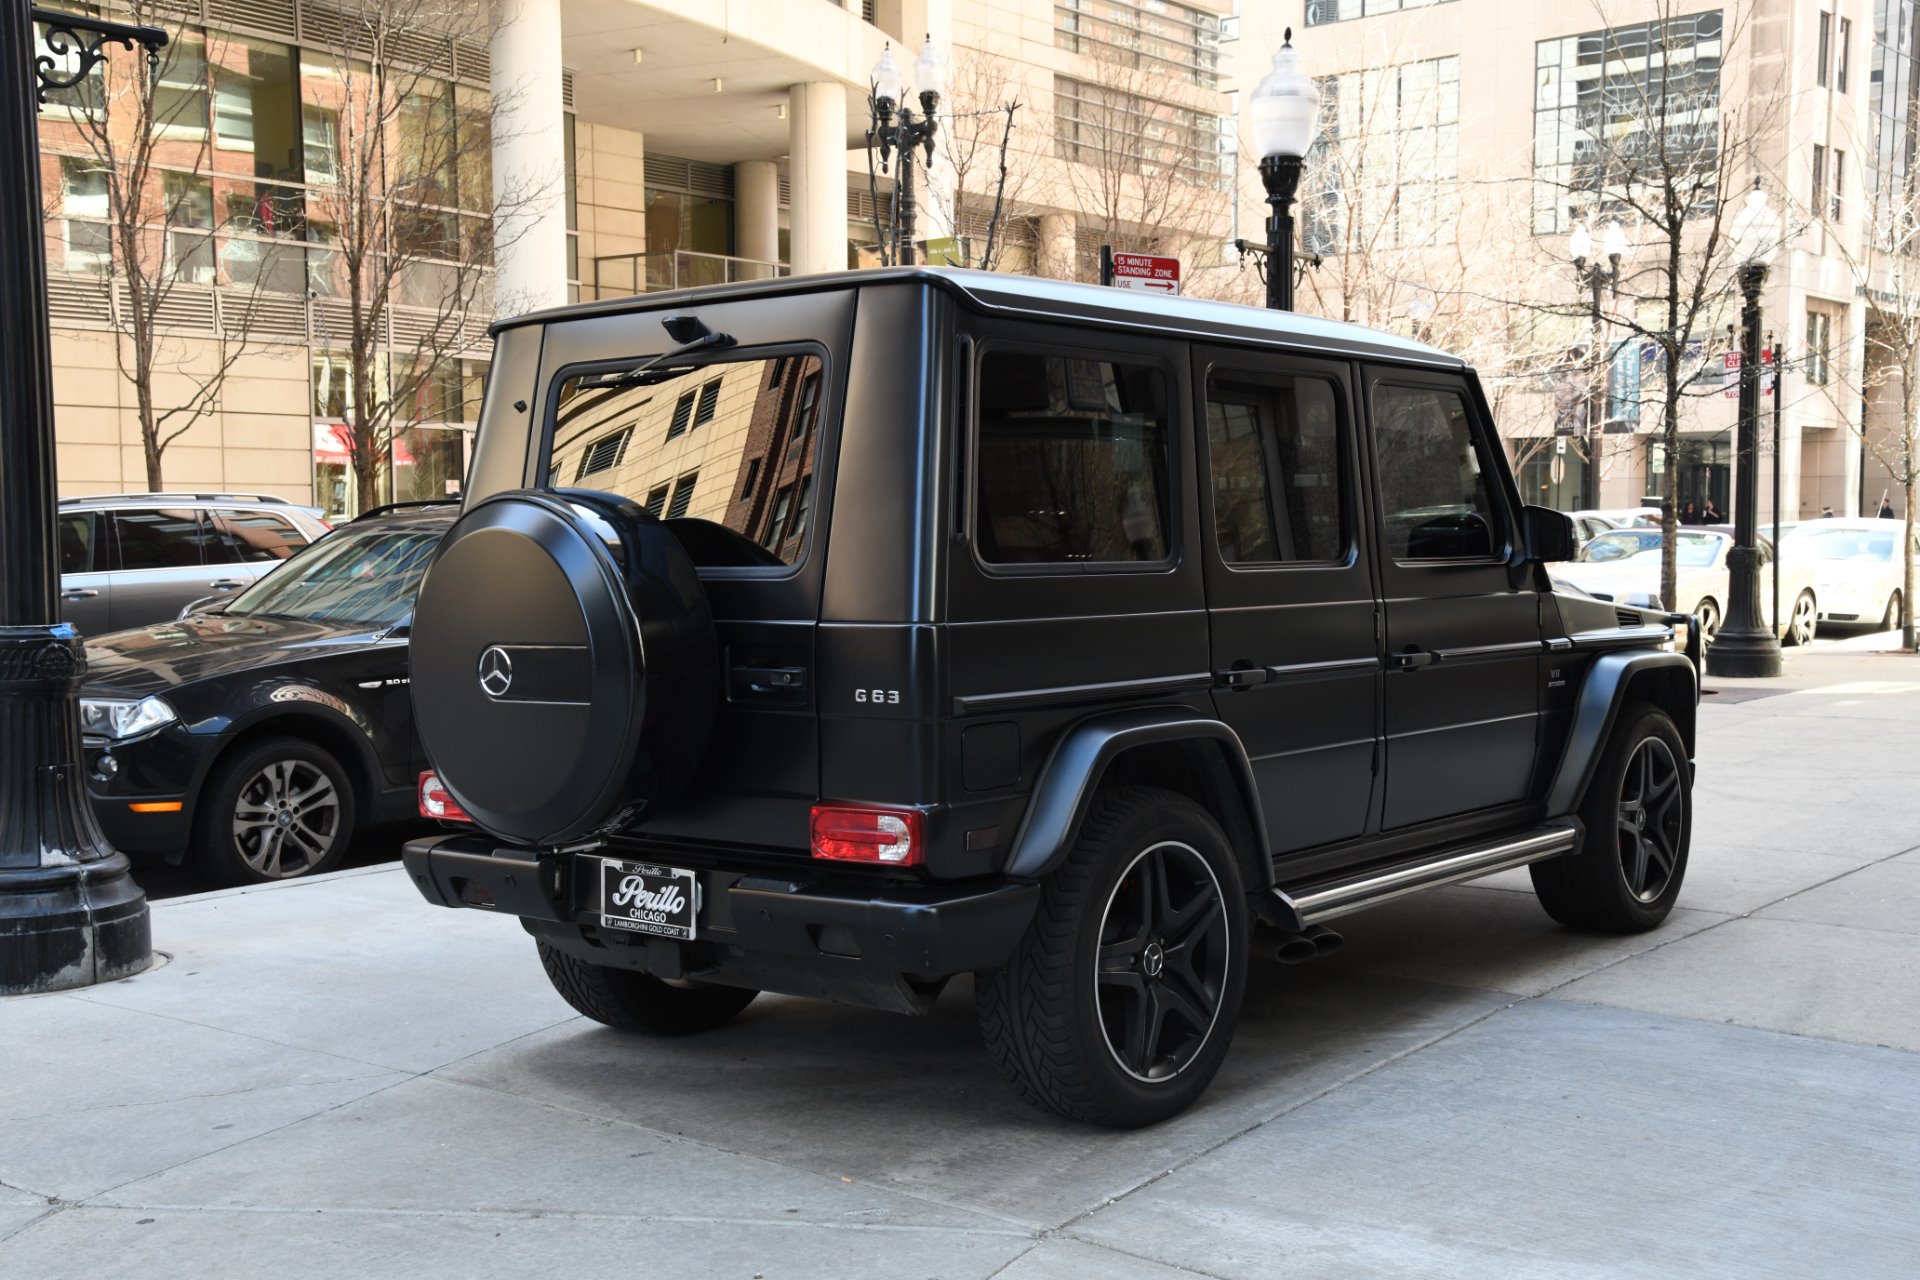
pixel 529 158
pixel 817 173
pixel 756 210
pixel 1058 247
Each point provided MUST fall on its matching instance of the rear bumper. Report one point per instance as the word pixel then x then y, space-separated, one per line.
pixel 832 937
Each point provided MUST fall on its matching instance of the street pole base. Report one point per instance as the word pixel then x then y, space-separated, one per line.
pixel 1738 656
pixel 71 926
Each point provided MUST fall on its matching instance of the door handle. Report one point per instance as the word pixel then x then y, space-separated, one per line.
pixel 79 593
pixel 226 584
pixel 770 679
pixel 1413 659
pixel 1240 678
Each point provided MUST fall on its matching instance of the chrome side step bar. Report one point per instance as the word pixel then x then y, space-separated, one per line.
pixel 1316 903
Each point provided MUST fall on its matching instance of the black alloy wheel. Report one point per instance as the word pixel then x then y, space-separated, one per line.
pixel 1161 970
pixel 1652 819
pixel 1637 822
pixel 1118 1005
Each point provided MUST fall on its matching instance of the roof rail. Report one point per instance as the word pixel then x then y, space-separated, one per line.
pixel 266 499
pixel 387 508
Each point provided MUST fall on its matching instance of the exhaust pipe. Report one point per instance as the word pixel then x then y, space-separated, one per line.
pixel 1316 941
pixel 1325 941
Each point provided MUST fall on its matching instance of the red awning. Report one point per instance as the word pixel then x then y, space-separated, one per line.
pixel 333 445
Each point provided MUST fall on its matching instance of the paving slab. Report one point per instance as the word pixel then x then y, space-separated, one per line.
pixel 146 1093
pixel 1061 1258
pixel 914 1104
pixel 429 1146
pixel 447 983
pixel 172 1244
pixel 1557 1140
pixel 1728 879
pixel 1884 896
pixel 1468 936
pixel 1857 985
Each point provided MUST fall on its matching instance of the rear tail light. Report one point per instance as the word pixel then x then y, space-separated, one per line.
pixel 862 833
pixel 438 802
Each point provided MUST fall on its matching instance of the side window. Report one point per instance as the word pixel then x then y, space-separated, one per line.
pixel 77 553
pixel 249 537
pixel 1434 502
pixel 1275 458
pixel 1072 464
pixel 724 456
pixel 160 539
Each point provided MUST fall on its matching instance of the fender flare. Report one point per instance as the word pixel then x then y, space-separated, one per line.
pixel 1597 709
pixel 1079 761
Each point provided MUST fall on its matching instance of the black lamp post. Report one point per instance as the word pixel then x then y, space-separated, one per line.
pixel 900 130
pixel 70 914
pixel 1281 111
pixel 1595 278
pixel 1746 645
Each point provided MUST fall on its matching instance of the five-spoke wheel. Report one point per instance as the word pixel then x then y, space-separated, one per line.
pixel 1804 621
pixel 1652 819
pixel 1163 960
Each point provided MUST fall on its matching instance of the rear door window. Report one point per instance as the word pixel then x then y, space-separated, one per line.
pixel 77 553
pixel 1072 461
pixel 249 537
pixel 720 458
pixel 160 538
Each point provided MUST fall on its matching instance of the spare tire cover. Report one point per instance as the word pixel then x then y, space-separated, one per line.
pixel 563 662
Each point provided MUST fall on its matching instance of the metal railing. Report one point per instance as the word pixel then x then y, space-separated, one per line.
pixel 622 275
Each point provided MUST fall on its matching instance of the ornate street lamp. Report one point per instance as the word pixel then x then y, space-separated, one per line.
pixel 70 914
pixel 1746 645
pixel 1595 278
pixel 895 128
pixel 1281 113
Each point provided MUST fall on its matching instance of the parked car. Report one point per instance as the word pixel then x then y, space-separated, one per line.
pixel 838 635
pixel 1588 525
pixel 1856 575
pixel 251 738
pixel 1632 517
pixel 127 560
pixel 1625 566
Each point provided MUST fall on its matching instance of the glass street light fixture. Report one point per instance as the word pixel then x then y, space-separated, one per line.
pixel 70 913
pixel 1281 113
pixel 1594 278
pixel 896 129
pixel 1747 645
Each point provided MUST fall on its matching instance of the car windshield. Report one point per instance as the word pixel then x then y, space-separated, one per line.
pixel 1695 550
pixel 367 577
pixel 1845 544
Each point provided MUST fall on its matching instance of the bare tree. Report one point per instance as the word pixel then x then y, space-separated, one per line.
pixel 140 139
pixel 400 191
pixel 988 175
pixel 1650 141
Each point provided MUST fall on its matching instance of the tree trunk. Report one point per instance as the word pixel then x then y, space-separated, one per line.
pixel 1906 514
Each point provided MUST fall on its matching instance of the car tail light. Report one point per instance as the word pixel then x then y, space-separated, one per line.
pixel 438 802
pixel 862 833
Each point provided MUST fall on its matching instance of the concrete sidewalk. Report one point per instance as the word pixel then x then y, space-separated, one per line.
pixel 331 1078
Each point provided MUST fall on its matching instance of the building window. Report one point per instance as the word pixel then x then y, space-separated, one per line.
pixel 603 454
pixel 1825 55
pixel 1819 335
pixel 682 495
pixel 1593 131
pixel 190 248
pixel 1384 167
pixel 1843 56
pixel 682 416
pixel 1321 12
pixel 84 202
pixel 1133 136
pixel 709 401
pixel 1839 177
pixel 656 500
pixel 1156 36
pixel 1819 202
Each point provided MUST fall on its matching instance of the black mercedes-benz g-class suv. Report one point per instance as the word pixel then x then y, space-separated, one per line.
pixel 838 635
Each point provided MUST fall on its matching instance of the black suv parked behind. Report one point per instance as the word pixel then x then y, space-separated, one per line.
pixel 838 635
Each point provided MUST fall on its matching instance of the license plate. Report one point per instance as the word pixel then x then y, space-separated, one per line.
pixel 641 897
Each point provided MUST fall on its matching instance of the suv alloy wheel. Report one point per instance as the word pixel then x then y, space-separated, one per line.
pixel 1118 1005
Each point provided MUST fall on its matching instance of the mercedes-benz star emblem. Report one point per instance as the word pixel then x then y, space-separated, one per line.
pixel 496 672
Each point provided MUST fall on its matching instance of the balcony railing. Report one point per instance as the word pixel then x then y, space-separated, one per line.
pixel 622 275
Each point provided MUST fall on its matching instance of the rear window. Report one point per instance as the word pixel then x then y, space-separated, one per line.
pixel 724 452
pixel 1072 462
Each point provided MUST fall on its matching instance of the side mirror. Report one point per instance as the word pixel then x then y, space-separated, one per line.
pixel 1547 535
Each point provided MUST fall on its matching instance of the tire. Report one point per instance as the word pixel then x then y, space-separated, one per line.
pixel 1145 922
pixel 277 809
pixel 1804 622
pixel 1627 873
pixel 1895 616
pixel 1709 614
pixel 639 1002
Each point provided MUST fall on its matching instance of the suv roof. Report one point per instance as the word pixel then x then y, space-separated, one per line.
pixel 259 499
pixel 1013 295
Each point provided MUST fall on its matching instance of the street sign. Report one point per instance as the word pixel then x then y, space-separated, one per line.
pixel 943 252
pixel 1730 376
pixel 1146 271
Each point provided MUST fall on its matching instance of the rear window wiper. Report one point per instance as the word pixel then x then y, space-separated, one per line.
pixel 692 336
